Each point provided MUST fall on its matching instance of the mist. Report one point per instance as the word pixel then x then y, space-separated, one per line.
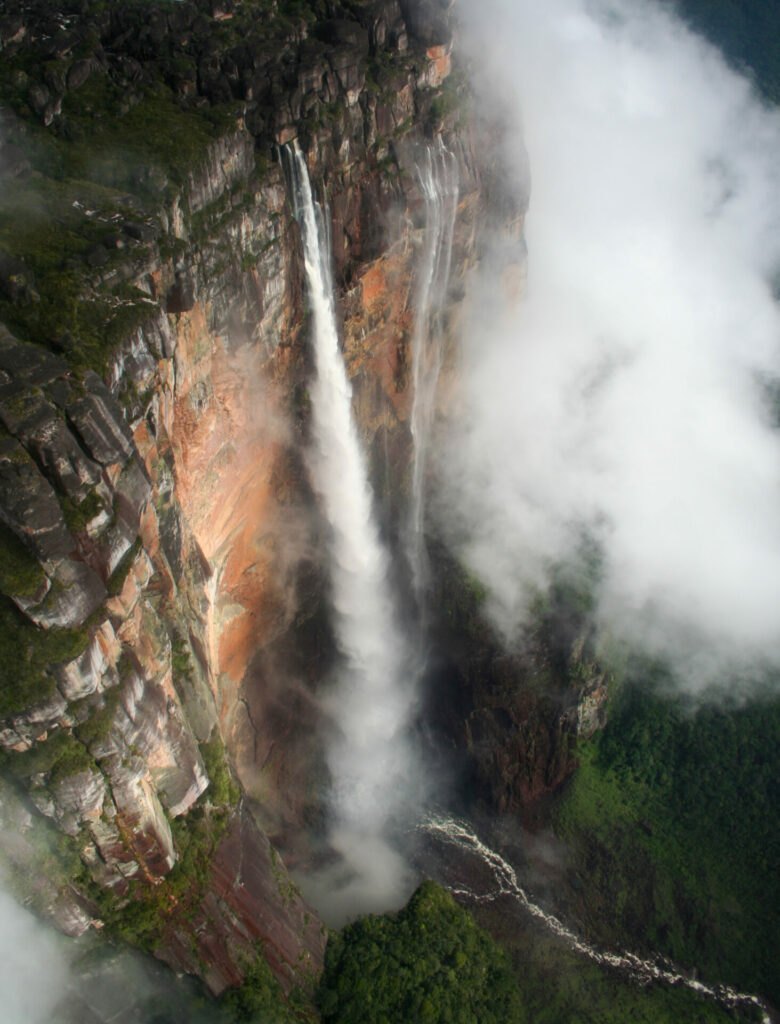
pixel 33 969
pixel 624 396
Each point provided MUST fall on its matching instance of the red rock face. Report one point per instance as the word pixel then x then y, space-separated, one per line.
pixel 229 440
pixel 201 579
pixel 442 62
pixel 250 904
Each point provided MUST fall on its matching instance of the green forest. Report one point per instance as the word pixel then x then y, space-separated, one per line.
pixel 748 33
pixel 671 819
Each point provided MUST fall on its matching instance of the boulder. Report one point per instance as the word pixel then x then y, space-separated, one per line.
pixel 78 73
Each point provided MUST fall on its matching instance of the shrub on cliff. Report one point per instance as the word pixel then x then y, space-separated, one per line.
pixel 259 999
pixel 430 962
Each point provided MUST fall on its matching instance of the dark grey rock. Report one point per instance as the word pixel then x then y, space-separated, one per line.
pixel 133 490
pixel 140 231
pixel 59 391
pixel 45 435
pixel 55 79
pixel 38 96
pixel 428 20
pixel 29 364
pixel 97 256
pixel 16 279
pixel 64 342
pixel 385 25
pixel 181 294
pixel 76 593
pixel 171 538
pixel 53 109
pixel 78 74
pixel 98 420
pixel 29 506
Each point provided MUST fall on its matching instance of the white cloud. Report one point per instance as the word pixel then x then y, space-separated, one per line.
pixel 33 970
pixel 622 392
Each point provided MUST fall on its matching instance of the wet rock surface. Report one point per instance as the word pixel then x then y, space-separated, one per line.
pixel 151 467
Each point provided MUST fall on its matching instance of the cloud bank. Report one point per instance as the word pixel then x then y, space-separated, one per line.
pixel 625 394
pixel 33 969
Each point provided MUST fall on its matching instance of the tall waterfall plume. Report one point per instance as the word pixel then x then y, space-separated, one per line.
pixel 369 758
pixel 438 176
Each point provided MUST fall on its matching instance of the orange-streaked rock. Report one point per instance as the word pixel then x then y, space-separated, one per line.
pixel 441 60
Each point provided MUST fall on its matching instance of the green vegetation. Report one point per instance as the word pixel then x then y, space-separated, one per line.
pixel 747 31
pixel 79 514
pixel 670 821
pixel 41 226
pixel 222 791
pixel 259 998
pixel 25 654
pixel 560 986
pixel 20 572
pixel 99 723
pixel 461 597
pixel 109 158
pixel 143 921
pixel 176 900
pixel 58 757
pixel 119 575
pixel 431 962
pixel 428 962
pixel 180 658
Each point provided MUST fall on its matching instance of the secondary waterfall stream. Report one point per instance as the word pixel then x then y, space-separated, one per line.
pixel 369 757
pixel 438 176
pixel 460 835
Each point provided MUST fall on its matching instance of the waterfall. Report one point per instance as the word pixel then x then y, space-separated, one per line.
pixel 369 759
pixel 460 835
pixel 438 177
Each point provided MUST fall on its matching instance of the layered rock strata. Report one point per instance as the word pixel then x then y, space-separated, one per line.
pixel 164 587
pixel 164 618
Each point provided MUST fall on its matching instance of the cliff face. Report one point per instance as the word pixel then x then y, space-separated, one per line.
pixel 164 618
pixel 164 582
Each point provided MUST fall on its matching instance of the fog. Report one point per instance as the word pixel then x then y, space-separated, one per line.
pixel 624 396
pixel 33 969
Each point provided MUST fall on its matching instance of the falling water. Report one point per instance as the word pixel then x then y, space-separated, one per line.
pixel 438 176
pixel 369 759
pixel 459 834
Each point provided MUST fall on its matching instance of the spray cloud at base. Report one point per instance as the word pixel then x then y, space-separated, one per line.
pixel 33 968
pixel 624 397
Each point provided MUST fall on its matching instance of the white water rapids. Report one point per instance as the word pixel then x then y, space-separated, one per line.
pixel 369 757
pixel 460 835
pixel 438 176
